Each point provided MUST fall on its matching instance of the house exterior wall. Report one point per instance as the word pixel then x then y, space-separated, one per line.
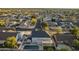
pixel 25 32
pixel 43 41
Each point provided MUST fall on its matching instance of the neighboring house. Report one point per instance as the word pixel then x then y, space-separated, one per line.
pixel 52 24
pixel 5 35
pixel 66 24
pixel 47 18
pixel 66 38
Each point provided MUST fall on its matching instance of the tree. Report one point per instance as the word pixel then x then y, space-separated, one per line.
pixel 11 42
pixel 33 21
pixel 2 23
pixel 75 31
pixel 76 43
pixel 45 25
pixel 59 30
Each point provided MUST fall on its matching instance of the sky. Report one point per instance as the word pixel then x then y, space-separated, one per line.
pixel 39 3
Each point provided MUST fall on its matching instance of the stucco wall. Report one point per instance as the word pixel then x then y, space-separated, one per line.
pixel 42 40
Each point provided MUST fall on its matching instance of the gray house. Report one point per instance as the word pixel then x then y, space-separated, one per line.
pixel 41 37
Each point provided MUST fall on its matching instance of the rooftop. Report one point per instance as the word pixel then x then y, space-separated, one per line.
pixel 38 32
pixel 65 38
pixel 4 35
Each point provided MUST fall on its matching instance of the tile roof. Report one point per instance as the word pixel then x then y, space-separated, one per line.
pixel 4 35
pixel 38 32
pixel 66 38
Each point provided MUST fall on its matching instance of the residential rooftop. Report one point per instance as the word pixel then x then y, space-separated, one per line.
pixel 5 35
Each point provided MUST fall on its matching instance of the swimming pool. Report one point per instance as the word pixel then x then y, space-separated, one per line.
pixel 31 47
